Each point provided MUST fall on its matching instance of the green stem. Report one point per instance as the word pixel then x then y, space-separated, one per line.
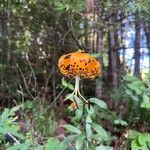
pixel 77 83
pixel 76 91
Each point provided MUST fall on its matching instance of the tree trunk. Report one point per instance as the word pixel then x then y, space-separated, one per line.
pixel 113 54
pixel 8 56
pixel 137 46
pixel 122 24
pixel 98 45
pixel 147 33
pixel 89 23
pixel 4 43
pixel 98 81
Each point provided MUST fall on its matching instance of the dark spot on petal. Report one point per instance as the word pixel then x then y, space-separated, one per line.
pixel 68 56
pixel 68 67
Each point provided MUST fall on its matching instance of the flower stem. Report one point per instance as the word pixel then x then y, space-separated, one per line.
pixel 76 91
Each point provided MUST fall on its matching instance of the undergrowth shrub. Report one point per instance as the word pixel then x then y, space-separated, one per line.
pixel 88 123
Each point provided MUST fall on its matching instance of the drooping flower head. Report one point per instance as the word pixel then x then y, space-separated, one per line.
pixel 79 64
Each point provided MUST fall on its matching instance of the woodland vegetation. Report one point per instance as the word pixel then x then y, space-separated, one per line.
pixel 35 110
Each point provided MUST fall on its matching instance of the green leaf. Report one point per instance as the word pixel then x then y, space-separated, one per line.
pixel 69 109
pixel 8 124
pixel 72 128
pixel 130 78
pixel 14 109
pixel 132 134
pixel 95 55
pixel 23 146
pixel 69 96
pixel 146 101
pixel 102 134
pixel 28 104
pixel 14 132
pixel 135 97
pixel 4 116
pixel 70 138
pixel 120 122
pixel 78 113
pixel 66 84
pixel 38 147
pixel 80 141
pixel 3 131
pixel 145 105
pixel 103 147
pixel 98 102
pixel 135 145
pixel 143 138
pixel 88 119
pixel 55 144
pixel 91 146
pixel 104 114
pixel 78 100
pixel 89 128
pixel 138 91
pixel 146 98
pixel 136 86
pixel 129 92
pixel 90 111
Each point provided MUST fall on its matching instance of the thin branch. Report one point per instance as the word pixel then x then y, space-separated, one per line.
pixel 33 73
pixel 64 37
pixel 72 35
pixel 13 138
pixel 25 83
pixel 44 111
